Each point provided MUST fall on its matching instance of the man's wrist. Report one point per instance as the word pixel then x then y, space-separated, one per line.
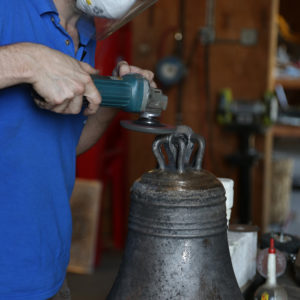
pixel 30 56
pixel 18 64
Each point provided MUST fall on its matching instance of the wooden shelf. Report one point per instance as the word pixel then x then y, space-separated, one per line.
pixel 289 82
pixel 287 131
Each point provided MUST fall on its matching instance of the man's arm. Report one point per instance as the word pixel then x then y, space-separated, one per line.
pixel 15 65
pixel 97 124
pixel 94 128
pixel 60 79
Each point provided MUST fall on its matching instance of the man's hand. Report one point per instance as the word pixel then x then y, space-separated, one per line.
pixel 97 123
pixel 124 68
pixel 63 81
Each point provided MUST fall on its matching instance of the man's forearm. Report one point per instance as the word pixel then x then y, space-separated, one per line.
pixel 59 79
pixel 16 64
pixel 94 128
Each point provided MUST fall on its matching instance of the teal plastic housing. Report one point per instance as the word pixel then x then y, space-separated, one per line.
pixel 127 92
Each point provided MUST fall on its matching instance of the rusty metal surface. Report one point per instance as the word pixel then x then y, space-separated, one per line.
pixel 177 241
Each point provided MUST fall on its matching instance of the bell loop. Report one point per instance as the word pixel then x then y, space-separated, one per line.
pixel 179 148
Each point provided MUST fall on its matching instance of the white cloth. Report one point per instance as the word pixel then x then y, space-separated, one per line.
pixel 228 186
pixel 109 9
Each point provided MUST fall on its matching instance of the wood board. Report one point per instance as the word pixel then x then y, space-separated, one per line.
pixel 85 206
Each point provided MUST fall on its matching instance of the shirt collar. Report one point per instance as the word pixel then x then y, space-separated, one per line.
pixel 86 29
pixel 85 25
pixel 45 6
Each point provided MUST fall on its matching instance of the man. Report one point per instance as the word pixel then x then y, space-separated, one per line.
pixel 43 47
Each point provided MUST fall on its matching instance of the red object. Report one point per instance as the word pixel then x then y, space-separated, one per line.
pixel 106 161
pixel 113 49
pixel 272 249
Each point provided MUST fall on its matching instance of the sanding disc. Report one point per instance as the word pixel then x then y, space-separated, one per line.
pixel 148 126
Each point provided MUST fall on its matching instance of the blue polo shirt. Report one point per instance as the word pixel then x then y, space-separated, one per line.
pixel 37 163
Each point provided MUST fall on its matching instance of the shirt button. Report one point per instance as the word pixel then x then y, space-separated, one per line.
pixel 67 42
pixel 52 19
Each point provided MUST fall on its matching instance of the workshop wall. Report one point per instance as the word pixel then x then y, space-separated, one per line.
pixel 153 38
pixel 226 63
pixel 246 69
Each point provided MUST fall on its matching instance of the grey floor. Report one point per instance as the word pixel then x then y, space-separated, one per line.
pixel 97 285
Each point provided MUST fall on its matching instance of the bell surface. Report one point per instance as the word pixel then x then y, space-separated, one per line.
pixel 177 244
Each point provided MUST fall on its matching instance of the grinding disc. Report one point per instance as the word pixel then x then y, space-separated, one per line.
pixel 145 126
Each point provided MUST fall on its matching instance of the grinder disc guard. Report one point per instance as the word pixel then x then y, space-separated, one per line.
pixel 148 125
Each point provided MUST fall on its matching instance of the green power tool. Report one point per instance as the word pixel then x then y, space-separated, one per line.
pixel 133 93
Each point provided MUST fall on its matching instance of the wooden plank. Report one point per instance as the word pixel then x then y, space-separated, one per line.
pixel 85 206
pixel 244 69
pixel 267 178
pixel 286 131
pixel 292 83
pixel 272 41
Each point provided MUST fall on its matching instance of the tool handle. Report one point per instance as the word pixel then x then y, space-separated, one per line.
pixel 127 93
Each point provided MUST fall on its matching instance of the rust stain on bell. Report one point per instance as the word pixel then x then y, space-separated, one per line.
pixel 177 239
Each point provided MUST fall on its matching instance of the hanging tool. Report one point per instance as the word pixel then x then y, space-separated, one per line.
pixel 132 93
pixel 171 70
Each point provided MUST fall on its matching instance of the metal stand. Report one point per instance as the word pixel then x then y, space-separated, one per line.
pixel 244 160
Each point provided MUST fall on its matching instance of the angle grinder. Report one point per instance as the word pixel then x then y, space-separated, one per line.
pixel 133 93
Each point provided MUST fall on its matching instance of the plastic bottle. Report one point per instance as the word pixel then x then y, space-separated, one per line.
pixel 271 290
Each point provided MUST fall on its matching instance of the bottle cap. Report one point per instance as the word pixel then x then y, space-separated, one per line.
pixel 272 249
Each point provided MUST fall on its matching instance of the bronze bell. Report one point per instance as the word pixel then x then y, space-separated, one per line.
pixel 177 235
